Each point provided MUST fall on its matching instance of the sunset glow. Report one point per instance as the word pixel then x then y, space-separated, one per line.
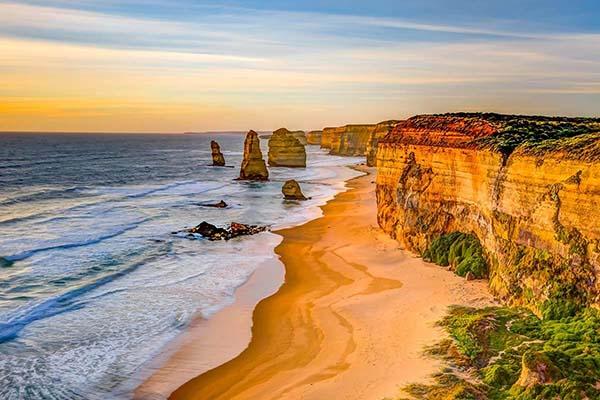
pixel 79 65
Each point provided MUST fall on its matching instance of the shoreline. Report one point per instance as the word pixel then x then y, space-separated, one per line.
pixel 228 331
pixel 351 319
pixel 207 343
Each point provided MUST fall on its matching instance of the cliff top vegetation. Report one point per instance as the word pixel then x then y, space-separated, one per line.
pixel 535 132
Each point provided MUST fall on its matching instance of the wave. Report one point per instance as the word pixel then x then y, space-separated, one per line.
pixel 86 242
pixel 59 304
pixel 52 194
pixel 90 194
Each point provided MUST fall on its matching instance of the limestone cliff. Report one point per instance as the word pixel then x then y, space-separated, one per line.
pixel 253 166
pixel 327 136
pixel 314 137
pixel 380 131
pixel 349 140
pixel 285 150
pixel 527 187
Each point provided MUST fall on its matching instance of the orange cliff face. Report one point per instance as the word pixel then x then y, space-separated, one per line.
pixel 314 137
pixel 349 140
pixel 381 130
pixel 533 202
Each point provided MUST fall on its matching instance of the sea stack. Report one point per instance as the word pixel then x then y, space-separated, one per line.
pixel 285 150
pixel 253 166
pixel 291 191
pixel 217 156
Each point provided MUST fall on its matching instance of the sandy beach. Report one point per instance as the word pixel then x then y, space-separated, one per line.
pixel 350 320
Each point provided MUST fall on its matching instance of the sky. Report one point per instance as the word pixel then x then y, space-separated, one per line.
pixel 175 66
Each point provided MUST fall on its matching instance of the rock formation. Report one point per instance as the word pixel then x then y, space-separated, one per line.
pixel 380 131
pixel 212 232
pixel 537 369
pixel 285 150
pixel 314 137
pixel 352 140
pixel 291 190
pixel 217 156
pixel 253 166
pixel 349 140
pixel 301 136
pixel 220 204
pixel 527 187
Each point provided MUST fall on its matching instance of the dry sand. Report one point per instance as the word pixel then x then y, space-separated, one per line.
pixel 351 319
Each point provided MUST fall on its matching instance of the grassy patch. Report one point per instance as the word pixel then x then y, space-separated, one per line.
pixel 461 251
pixel 502 353
pixel 537 133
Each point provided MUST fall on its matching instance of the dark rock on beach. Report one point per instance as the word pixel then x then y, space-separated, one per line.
pixel 235 229
pixel 220 204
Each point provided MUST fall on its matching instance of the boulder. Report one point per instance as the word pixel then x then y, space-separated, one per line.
pixel 253 166
pixel 291 191
pixel 220 204
pixel 285 150
pixel 212 232
pixel 217 156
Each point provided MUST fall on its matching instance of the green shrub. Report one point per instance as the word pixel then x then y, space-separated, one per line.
pixel 460 250
pixel 495 342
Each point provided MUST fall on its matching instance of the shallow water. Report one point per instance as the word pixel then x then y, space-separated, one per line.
pixel 93 284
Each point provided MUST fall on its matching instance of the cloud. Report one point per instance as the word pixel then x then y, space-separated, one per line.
pixel 267 67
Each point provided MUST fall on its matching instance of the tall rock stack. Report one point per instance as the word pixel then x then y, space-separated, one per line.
pixel 217 156
pixel 314 137
pixel 285 150
pixel 381 130
pixel 253 166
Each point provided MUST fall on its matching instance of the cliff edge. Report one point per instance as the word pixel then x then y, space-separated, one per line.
pixel 527 187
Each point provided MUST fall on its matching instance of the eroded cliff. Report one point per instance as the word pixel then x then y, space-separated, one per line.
pixel 381 130
pixel 527 187
pixel 314 137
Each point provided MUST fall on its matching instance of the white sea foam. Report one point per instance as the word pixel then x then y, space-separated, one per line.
pixel 100 284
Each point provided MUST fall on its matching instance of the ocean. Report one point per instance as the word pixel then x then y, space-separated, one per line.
pixel 93 284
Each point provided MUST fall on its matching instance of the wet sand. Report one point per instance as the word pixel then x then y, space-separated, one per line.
pixel 350 320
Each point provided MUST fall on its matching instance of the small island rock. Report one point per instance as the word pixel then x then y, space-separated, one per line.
pixel 291 191
pixel 253 166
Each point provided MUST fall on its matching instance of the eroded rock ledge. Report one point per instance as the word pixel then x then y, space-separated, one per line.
pixel 527 187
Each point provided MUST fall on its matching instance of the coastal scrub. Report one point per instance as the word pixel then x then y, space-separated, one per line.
pixel 502 353
pixel 461 251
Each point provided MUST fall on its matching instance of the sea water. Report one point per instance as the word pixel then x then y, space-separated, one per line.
pixel 93 284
